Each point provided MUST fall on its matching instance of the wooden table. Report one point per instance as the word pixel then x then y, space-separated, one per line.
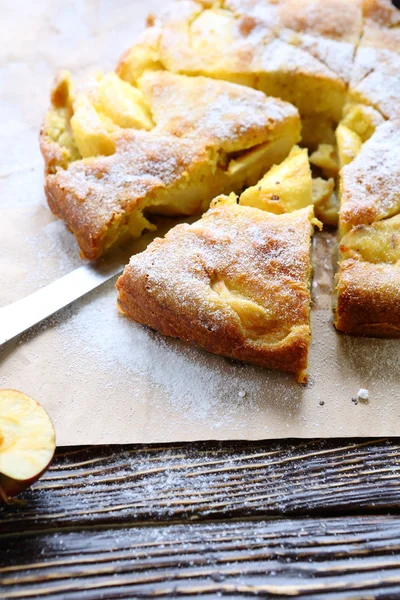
pixel 310 519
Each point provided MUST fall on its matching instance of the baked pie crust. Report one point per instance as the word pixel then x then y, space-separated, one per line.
pixel 236 282
pixel 368 280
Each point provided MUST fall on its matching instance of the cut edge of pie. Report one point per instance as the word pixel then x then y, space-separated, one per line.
pixel 367 294
pixel 366 298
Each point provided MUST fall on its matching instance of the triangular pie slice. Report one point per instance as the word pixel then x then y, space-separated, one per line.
pixel 236 282
pixel 115 152
pixel 370 181
pixel 368 281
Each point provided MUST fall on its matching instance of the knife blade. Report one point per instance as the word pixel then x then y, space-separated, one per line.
pixel 19 316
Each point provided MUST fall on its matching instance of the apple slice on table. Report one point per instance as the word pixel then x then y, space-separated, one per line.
pixel 27 442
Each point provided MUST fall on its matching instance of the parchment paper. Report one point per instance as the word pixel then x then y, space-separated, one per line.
pixel 102 378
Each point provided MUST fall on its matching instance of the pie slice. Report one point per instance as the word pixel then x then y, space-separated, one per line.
pixel 115 152
pixel 191 38
pixel 236 282
pixel 367 295
pixel 299 51
pixel 368 281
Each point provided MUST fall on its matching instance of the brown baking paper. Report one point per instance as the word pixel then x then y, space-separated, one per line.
pixel 102 378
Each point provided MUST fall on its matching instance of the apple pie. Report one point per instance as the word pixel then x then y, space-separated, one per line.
pixel 115 153
pixel 236 282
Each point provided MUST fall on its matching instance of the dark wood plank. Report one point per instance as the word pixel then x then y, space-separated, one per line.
pixel 347 557
pixel 100 486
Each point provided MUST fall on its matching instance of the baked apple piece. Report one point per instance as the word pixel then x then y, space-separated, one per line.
pixel 286 187
pixel 290 186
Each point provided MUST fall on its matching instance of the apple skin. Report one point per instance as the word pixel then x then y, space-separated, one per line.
pixel 10 487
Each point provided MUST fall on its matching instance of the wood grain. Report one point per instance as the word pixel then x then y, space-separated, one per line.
pixel 108 486
pixel 349 557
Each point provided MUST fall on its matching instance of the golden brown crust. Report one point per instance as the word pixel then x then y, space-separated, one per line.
pixel 236 283
pixel 368 281
pixel 382 12
pixel 334 19
pixel 53 154
pixel 368 298
pixel 97 194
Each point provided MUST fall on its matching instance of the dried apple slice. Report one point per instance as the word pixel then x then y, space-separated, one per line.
pixel 27 442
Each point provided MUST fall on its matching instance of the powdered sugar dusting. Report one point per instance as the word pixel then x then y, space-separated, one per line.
pixel 287 58
pixel 223 114
pixel 371 182
pixel 335 55
pixel 55 253
pixel 376 80
pixel 262 256
pixel 118 382
pixel 106 186
pixel 202 388
pixel 105 379
pixel 264 12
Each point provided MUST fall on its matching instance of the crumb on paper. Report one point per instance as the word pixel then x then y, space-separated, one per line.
pixel 363 394
pixel 242 394
pixel 321 402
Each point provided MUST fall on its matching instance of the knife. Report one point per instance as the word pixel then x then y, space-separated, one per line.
pixel 19 316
